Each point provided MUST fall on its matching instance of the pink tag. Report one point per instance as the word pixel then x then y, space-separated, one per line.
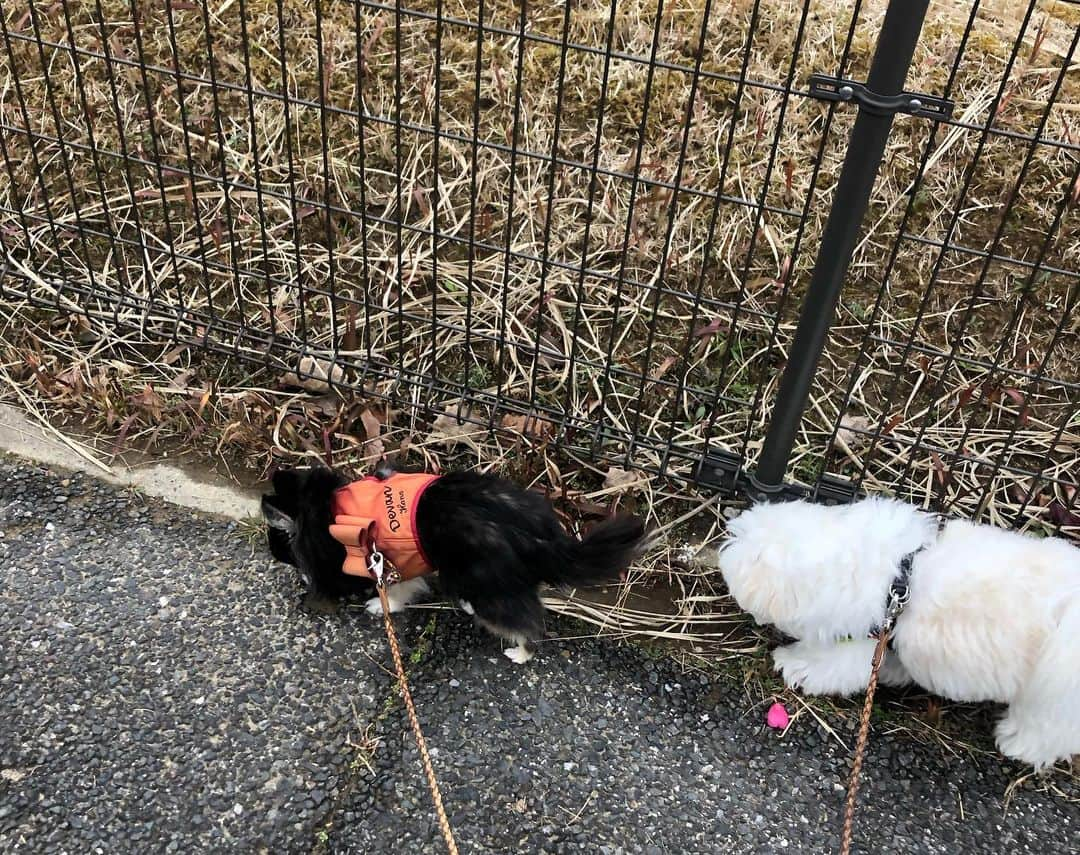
pixel 777 717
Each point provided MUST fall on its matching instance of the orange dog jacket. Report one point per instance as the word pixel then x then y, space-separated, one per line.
pixel 381 513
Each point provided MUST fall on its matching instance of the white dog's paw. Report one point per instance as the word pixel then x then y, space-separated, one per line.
pixel 793 667
pixel 1028 742
pixel 836 669
pixel 466 607
pixel 374 606
pixel 518 655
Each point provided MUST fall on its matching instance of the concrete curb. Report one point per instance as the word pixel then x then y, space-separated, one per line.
pixel 22 437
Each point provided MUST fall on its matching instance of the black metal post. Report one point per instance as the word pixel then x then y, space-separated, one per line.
pixel 879 101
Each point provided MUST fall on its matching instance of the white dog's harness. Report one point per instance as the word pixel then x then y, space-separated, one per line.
pixel 900 588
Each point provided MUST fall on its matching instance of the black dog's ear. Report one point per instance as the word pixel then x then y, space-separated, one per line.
pixel 276 515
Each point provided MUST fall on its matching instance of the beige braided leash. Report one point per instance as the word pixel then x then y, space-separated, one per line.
pixel 860 743
pixel 375 564
pixel 899 592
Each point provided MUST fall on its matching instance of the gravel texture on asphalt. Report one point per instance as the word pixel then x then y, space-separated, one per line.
pixel 164 686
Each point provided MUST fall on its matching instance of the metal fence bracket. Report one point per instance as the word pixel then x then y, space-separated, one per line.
pixel 835 490
pixel 719 470
pixel 725 472
pixel 828 88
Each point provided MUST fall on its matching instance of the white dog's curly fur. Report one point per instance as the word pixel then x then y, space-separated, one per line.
pixel 993 615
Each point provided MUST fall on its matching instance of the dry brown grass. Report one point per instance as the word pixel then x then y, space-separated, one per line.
pixel 270 262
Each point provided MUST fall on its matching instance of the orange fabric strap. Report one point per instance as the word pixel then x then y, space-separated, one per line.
pixel 356 534
pixel 383 512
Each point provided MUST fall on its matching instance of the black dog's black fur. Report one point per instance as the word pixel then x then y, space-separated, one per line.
pixel 492 543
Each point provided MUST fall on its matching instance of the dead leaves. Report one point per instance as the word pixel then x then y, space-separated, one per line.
pixel 374 447
pixel 853 431
pixel 665 367
pixel 1061 515
pixel 149 402
pixel 620 480
pixel 709 330
pixel 372 425
pixel 992 394
pixel 1020 400
pixel 452 427
pixel 532 427
pixel 351 340
pixel 942 475
pixel 314 375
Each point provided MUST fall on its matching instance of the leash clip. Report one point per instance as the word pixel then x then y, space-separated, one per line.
pixel 898 600
pixel 377 567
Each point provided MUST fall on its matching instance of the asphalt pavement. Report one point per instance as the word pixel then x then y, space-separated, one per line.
pixel 166 687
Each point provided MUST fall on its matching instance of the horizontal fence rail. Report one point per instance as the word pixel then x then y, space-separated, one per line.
pixel 596 219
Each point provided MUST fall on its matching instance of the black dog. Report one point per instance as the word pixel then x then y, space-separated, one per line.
pixel 492 543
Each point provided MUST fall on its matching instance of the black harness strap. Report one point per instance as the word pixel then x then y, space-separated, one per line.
pixel 900 588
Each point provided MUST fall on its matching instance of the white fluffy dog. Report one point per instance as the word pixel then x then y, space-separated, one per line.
pixel 993 615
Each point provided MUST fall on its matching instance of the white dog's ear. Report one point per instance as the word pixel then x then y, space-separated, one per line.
pixel 277 517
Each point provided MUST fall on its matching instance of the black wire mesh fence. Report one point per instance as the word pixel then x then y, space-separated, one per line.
pixel 593 223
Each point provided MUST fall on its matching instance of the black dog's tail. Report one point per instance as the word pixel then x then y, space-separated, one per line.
pixel 601 556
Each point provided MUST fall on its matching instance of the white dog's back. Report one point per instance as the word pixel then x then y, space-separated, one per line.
pixel 984 603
